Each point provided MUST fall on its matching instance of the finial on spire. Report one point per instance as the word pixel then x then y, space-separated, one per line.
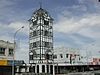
pixel 40 4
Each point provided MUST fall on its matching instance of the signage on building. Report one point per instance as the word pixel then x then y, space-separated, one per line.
pixel 3 62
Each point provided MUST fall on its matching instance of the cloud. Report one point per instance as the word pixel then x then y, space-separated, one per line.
pixel 10 11
pixel 17 25
pixel 79 23
pixel 7 32
pixel 10 29
pixel 6 3
pixel 67 25
pixel 76 25
pixel 6 7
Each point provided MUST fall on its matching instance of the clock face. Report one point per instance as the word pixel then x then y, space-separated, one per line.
pixel 40 14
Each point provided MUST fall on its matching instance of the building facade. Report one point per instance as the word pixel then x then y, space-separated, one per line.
pixel 7 58
pixel 6 50
pixel 67 55
pixel 40 37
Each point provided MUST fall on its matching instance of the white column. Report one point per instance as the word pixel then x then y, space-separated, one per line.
pixel 27 70
pixel 35 68
pixel 53 69
pixel 45 68
pixel 40 68
pixel 49 68
pixel 17 69
pixel 22 69
pixel 17 74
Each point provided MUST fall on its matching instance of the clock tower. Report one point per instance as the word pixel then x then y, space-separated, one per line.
pixel 40 37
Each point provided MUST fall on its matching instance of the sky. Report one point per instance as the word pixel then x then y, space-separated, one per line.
pixel 76 23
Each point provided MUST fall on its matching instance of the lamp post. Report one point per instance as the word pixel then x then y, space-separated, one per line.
pixel 15 48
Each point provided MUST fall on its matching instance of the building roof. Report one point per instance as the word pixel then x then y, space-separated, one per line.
pixel 42 13
pixel 6 44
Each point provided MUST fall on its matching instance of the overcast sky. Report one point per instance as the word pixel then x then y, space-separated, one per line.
pixel 76 23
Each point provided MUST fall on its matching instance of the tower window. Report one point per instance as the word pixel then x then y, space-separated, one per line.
pixel 50 44
pixel 2 51
pixel 34 44
pixel 46 44
pixel 67 55
pixel 38 43
pixel 61 56
pixel 11 52
pixel 31 57
pixel 55 56
pixel 34 22
pixel 46 33
pixel 50 34
pixel 46 22
pixel 34 33
pixel 30 46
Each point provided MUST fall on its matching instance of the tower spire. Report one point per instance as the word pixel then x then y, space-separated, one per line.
pixel 40 4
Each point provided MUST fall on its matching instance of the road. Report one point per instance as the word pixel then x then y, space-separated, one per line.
pixel 86 73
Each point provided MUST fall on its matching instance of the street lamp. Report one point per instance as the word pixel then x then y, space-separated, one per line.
pixel 14 48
